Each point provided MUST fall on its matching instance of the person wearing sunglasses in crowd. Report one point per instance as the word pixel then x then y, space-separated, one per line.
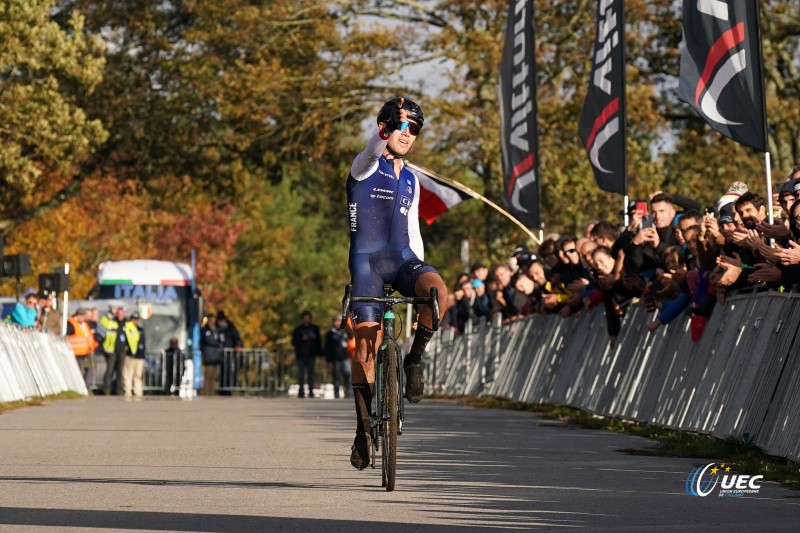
pixel 386 247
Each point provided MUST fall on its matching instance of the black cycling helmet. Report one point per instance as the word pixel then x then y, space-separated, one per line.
pixel 387 112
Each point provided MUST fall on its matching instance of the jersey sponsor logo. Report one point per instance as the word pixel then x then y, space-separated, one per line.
pixel 376 189
pixel 404 211
pixel 353 216
pixel 381 197
pixel 409 189
pixel 406 201
pixel 384 173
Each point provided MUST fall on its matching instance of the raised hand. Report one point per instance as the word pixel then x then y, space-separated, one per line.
pixel 789 256
pixel 774 231
pixel 765 273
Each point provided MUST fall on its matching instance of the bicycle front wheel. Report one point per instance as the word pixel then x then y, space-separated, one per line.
pixel 391 416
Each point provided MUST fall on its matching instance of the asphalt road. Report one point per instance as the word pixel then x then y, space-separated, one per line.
pixel 237 464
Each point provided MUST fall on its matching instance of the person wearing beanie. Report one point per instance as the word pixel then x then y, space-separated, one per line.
pixel 734 192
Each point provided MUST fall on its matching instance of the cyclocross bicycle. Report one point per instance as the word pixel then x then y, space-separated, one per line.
pixel 386 422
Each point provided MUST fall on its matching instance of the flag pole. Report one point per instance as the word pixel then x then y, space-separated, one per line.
pixel 624 113
pixel 769 186
pixel 767 164
pixel 477 196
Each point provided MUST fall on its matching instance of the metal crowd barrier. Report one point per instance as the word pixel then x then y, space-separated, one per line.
pixel 253 370
pixel 249 371
pixel 741 379
pixel 35 364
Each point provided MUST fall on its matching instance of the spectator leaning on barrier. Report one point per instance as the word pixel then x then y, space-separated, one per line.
pixel 481 306
pixel 131 347
pixel 336 357
pixel 49 319
pixel 24 313
pixel 505 291
pixel 82 341
pixel 232 346
pixel 228 333
pixel 211 352
pixel 110 327
pixel 307 343
pixel 479 271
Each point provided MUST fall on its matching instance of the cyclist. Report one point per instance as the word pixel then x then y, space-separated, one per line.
pixel 386 247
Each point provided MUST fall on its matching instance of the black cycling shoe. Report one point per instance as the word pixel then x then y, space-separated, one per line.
pixel 359 455
pixel 415 387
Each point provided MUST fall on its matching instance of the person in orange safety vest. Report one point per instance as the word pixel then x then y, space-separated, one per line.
pixel 82 341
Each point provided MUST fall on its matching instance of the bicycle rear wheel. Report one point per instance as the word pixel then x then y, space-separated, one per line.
pixel 391 416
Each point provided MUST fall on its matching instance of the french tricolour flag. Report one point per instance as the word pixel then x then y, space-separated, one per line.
pixel 435 196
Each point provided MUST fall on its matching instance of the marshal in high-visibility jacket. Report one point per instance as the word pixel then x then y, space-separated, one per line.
pixel 131 341
pixel 108 326
pixel 80 336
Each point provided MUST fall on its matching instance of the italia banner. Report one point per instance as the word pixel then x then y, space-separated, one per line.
pixel 721 72
pixel 602 124
pixel 518 136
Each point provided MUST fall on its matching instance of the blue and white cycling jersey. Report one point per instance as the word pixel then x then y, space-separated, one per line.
pixel 383 219
pixel 383 209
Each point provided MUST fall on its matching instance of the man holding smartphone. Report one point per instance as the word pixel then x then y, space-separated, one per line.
pixel 656 231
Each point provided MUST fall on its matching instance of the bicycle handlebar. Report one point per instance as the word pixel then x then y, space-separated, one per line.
pixel 432 300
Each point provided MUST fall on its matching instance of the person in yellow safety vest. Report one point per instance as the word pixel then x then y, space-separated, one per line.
pixel 82 341
pixel 108 326
pixel 131 347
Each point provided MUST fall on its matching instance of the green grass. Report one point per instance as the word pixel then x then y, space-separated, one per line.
pixel 66 395
pixel 744 456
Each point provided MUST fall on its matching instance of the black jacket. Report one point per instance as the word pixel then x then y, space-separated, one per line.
pixel 335 345
pixel 211 346
pixel 307 341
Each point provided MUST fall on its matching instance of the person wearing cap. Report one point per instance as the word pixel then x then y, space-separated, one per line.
pixel 479 271
pixel 131 348
pixel 786 195
pixel 547 251
pixel 481 306
pixel 49 319
pixel 109 328
pixel 83 344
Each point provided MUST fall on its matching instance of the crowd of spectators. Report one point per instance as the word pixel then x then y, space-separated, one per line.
pixel 37 311
pixel 673 257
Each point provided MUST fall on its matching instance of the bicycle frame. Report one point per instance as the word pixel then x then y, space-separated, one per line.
pixel 388 339
pixel 378 422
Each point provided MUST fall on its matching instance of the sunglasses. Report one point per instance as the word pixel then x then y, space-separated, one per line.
pixel 413 128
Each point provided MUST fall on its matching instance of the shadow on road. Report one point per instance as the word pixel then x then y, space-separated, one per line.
pixel 211 523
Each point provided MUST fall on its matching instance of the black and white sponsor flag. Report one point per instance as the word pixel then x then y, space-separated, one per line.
pixel 721 70
pixel 602 125
pixel 518 135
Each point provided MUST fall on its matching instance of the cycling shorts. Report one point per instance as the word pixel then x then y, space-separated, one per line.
pixel 369 272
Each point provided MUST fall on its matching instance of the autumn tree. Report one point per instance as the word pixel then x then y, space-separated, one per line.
pixel 46 135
